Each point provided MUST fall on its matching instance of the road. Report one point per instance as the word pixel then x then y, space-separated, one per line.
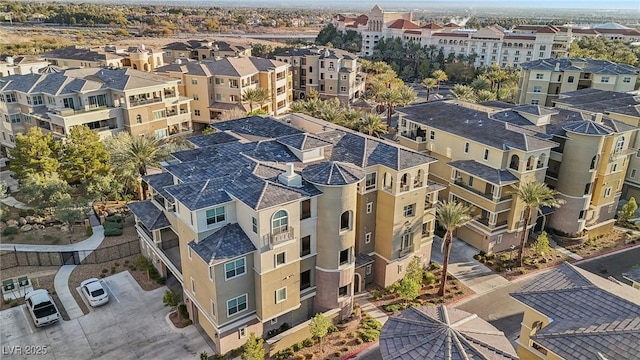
pixel 613 265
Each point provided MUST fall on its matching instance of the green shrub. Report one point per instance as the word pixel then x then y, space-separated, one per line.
pixel 182 308
pixel 113 271
pixel 307 342
pixel 297 347
pixel 112 231
pixel 371 323
pixel 112 225
pixel 369 335
pixel 434 266
pixel 115 219
pixel 10 230
pixel 429 278
pixel 391 307
pixel 332 329
pixel 359 341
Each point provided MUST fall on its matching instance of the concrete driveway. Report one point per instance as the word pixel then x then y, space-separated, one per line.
pixel 132 325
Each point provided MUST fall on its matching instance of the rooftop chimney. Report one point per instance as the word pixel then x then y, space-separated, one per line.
pixel 597 117
pixel 9 60
pixel 557 67
pixel 290 178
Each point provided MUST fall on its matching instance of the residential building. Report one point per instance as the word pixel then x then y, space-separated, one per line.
pixel 21 65
pixel 218 85
pixel 542 81
pixel 572 314
pixel 624 107
pixel 135 57
pixel 420 332
pixel 484 152
pixel 337 73
pixel 270 221
pixel 202 49
pixel 104 99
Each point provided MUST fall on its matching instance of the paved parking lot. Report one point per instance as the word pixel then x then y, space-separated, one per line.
pixel 131 326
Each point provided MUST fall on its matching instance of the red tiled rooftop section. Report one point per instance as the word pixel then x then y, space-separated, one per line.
pixel 403 24
pixel 584 31
pixel 431 26
pixel 528 27
pixel 452 35
pixel 452 25
pixel 618 31
pixel 548 30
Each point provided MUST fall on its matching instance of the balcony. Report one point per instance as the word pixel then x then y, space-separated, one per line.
pixel 619 154
pixel 477 192
pixel 280 237
pixel 144 101
pixel 415 135
pixel 169 94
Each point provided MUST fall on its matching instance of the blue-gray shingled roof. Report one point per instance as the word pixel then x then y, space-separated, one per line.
pixel 150 215
pixel 363 259
pixel 633 274
pixel 587 128
pixel 212 139
pixel 332 173
pixel 484 172
pixel 303 142
pixel 593 66
pixel 257 126
pixel 227 243
pixel 159 182
pixel 591 317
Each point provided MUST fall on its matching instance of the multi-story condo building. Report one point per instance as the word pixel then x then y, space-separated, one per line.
pixel 217 85
pixel 21 65
pixel 104 99
pixel 484 152
pixel 572 314
pixel 269 222
pixel 542 81
pixel 332 73
pixel 135 57
pixel 203 49
pixel 623 107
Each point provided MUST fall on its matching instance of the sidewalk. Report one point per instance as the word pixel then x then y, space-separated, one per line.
pixel 11 201
pixel 369 308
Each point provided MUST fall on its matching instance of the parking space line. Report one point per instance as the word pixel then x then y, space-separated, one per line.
pixel 26 317
pixel 111 291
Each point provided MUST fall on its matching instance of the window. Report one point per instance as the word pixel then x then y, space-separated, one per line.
pixel 343 88
pixel 425 229
pixel 406 240
pixel 193 286
pixel 196 112
pixel 161 134
pixel 535 101
pixel 279 222
pixel 236 305
pixel 587 189
pixel 539 76
pixel 432 135
pixel 470 180
pixel 626 79
pixel 305 246
pixel 619 144
pixel 582 214
pixel 633 173
pixel 280 258
pixel 14 118
pixel 344 256
pixel 196 97
pixel 305 209
pixel 614 167
pixel 345 221
pixel 409 210
pixel 499 239
pixel 466 148
pixel 234 268
pixel 67 103
pixel 11 98
pixel 607 192
pixel 343 291
pixel 37 100
pixel 254 224
pixel 537 89
pixel 370 181
pixel 215 216
pixel 210 272
pixel 367 270
pixel 194 81
pixel 159 114
pixel 139 119
pixel 367 238
pixel 242 332
pixel 570 79
pixel 369 207
pixel 213 308
pixel 189 252
pixel 305 280
pixel 219 81
pixel 604 79
pixel 281 295
pixel 486 154
pixel 541 54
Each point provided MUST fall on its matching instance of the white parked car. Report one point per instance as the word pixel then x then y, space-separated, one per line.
pixel 41 307
pixel 94 292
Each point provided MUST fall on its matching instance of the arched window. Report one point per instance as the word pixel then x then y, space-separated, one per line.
pixel 404 182
pixel 530 162
pixel 279 222
pixel 570 79
pixel 594 162
pixel 620 144
pixel 135 67
pixel 535 327
pixel 541 161
pixel 388 181
pixel 139 119
pixel 417 182
pixel 515 162
pixel 345 220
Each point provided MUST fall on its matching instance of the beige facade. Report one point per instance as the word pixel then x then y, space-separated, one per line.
pixel 112 100
pixel 21 65
pixel 134 57
pixel 203 49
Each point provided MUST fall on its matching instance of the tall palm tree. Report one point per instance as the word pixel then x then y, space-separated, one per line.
pixel 389 98
pixel 450 215
pixel 406 95
pixel 440 76
pixel 485 95
pixel 464 92
pixel 534 195
pixel 429 83
pixel 373 125
pixel 350 118
pixel 255 95
pixel 145 151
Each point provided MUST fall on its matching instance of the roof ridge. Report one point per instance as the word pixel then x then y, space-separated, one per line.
pixel 199 193
pixel 546 291
pixel 262 192
pixel 591 333
pixel 473 343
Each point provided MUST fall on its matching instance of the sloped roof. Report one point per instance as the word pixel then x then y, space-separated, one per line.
pixel 332 173
pixel 484 172
pixel 227 243
pixel 258 126
pixel 591 317
pixel 403 24
pixel 303 142
pixel 587 128
pixel 212 139
pixel 75 53
pixel 593 66
pixel 441 333
pixel 432 26
pixel 159 181
pixel 149 214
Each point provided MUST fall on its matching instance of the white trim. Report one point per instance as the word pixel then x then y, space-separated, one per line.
pixel 235 298
pixel 275 259
pixel 285 295
pixel 224 268
pixel 242 332
pixel 344 268
pixel 309 295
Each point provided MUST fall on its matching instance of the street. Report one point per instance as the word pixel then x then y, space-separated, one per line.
pixel 612 265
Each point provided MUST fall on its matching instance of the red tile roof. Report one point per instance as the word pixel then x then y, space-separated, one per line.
pixel 403 24
pixel 431 26
pixel 451 25
pixel 548 30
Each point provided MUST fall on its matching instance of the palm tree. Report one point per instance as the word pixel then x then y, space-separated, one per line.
pixel 485 95
pixel 464 92
pixel 373 125
pixel 534 195
pixel 255 96
pixel 350 118
pixel 440 76
pixel 429 83
pixel 390 98
pixel 450 215
pixel 481 82
pixel 406 95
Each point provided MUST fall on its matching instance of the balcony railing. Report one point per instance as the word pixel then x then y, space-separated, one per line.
pixel 281 237
pixel 477 192
pixel 138 102
pixel 414 135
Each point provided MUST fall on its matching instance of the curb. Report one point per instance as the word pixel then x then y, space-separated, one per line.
pixel 356 352
pixel 173 327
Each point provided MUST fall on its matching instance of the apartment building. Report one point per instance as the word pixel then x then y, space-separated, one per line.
pixel 20 65
pixel 333 73
pixel 104 99
pixel 624 107
pixel 572 314
pixel 202 49
pixel 484 152
pixel 542 81
pixel 217 85
pixel 135 57
pixel 268 222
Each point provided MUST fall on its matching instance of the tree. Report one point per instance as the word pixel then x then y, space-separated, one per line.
pixel 464 92
pixel 628 210
pixel 253 348
pixel 450 215
pixel 415 270
pixel 406 95
pixel 372 125
pixel 208 130
pixel 44 190
pixel 69 211
pixel 136 151
pixel 541 246
pixel 533 195
pixel 319 327
pixel 429 83
pixel 104 187
pixel 255 95
pixel 34 153
pixel 409 289
pixel 84 156
pixel 390 98
pixel 440 76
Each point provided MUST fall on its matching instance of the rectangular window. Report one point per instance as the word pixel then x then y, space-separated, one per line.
pixel 254 224
pixel 281 295
pixel 67 103
pixel 582 214
pixel 196 97
pixel 161 134
pixel 189 252
pixel 343 291
pixel 535 102
pixel 344 256
pixel 537 89
pixel 219 81
pixel 213 308
pixel 466 148
pixel 11 98
pixel 280 258
pixel 432 135
pixel 193 286
pixel 210 272
pixel 14 118
pixel 37 100
pixel 370 181
pixel 607 192
pixel 367 270
pixel 406 240
pixel 409 210
pixel 604 79
pixel 633 173
pixel 343 88
pixel 159 114
pixel 541 54
pixel 369 207
pixel 196 112
pixel 305 209
pixel 234 268
pixel 539 76
pixel 470 180
pixel 236 305
pixel 215 216
pixel 486 154
pixel 367 238
pixel 626 79
pixel 305 279
pixel 425 229
pixel 194 81
pixel 305 246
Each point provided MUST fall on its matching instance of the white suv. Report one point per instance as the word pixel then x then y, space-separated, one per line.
pixel 41 307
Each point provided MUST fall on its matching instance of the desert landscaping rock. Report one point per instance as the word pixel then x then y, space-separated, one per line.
pixel 26 228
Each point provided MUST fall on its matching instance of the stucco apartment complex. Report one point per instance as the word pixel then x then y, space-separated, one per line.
pixel 542 81
pixel 217 85
pixel 572 314
pixel 333 73
pixel 202 49
pixel 104 99
pixel 21 65
pixel 135 57
pixel 489 45
pixel 268 222
pixel 484 152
